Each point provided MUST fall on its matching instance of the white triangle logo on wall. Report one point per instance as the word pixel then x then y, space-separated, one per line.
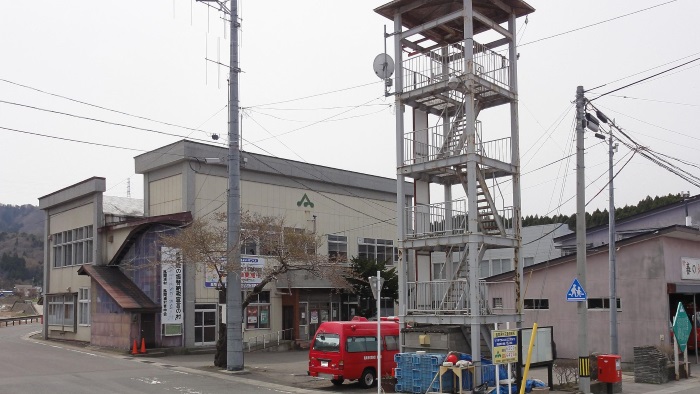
pixel 576 292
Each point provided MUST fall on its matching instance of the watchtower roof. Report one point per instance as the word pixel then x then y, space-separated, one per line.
pixel 417 12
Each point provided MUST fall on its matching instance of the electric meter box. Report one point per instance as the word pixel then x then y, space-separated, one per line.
pixel 609 368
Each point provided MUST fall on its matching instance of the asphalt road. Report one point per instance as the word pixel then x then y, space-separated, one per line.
pixel 31 366
pixel 36 366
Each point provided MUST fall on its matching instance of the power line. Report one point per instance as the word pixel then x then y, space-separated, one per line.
pixel 313 95
pixel 644 79
pixel 99 106
pixel 317 122
pixel 259 109
pixel 386 106
pixel 641 72
pixel 98 120
pixel 654 101
pixel 597 23
pixel 71 140
pixel 651 124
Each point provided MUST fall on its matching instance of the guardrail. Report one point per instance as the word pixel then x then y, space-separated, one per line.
pixel 21 320
pixel 271 338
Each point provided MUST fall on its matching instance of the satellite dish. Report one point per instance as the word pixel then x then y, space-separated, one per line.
pixel 383 66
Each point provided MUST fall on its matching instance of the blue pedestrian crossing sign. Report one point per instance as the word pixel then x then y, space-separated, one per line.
pixel 576 292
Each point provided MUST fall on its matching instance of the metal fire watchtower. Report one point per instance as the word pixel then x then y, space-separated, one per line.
pixel 449 79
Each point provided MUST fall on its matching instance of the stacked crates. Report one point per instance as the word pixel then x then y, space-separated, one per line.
pixel 416 373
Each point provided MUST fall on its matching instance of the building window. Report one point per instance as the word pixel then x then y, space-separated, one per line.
pixel 498 303
pixel 483 268
pixel 84 306
pixel 72 247
pixel 499 266
pixel 601 303
pixel 204 324
pixel 542 303
pixel 379 250
pixel 258 311
pixel 61 310
pixel 337 247
pixel 249 247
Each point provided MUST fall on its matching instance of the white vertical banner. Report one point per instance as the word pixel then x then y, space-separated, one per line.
pixel 171 286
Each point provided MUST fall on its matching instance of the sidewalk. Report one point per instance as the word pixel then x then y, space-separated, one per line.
pixel 289 369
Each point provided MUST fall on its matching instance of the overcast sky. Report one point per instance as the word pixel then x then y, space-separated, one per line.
pixel 147 58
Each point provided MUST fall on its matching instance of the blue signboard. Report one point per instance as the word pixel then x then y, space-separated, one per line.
pixel 576 292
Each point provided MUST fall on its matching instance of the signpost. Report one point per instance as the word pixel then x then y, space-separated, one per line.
pixel 505 346
pixel 681 327
pixel 376 283
pixel 681 333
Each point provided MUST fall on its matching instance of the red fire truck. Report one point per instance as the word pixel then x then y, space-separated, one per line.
pixel 347 350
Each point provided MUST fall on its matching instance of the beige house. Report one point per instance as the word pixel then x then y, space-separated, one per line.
pixel 93 238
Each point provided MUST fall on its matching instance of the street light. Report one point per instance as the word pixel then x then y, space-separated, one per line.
pixel 376 283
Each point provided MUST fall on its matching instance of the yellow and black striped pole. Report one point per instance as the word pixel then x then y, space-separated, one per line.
pixel 584 367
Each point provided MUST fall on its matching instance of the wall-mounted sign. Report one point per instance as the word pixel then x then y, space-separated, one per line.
pixel 251 273
pixel 690 268
pixel 305 201
pixel 171 286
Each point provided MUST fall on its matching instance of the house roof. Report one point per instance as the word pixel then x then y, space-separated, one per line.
pixel 690 200
pixel 125 292
pixel 140 226
pixel 122 206
pixel 674 231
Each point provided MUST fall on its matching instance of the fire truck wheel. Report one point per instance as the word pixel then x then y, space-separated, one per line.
pixel 368 379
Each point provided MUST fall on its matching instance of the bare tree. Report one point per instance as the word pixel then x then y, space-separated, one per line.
pixel 287 249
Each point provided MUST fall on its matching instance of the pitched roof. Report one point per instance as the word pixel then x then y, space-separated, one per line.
pixel 125 292
pixel 122 206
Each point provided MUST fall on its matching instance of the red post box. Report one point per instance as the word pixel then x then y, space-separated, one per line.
pixel 609 368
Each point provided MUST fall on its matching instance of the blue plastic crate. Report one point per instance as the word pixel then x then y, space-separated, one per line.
pixel 398 373
pixel 416 359
pixel 418 389
pixel 467 380
pixel 398 388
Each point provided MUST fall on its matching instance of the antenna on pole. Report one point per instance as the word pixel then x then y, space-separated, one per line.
pixel 384 67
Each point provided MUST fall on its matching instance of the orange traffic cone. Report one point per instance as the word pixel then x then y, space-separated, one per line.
pixel 135 350
pixel 143 345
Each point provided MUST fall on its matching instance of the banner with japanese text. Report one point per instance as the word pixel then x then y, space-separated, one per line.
pixel 171 286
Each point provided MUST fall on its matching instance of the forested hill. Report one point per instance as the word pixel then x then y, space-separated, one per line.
pixel 598 217
pixel 21 245
pixel 21 219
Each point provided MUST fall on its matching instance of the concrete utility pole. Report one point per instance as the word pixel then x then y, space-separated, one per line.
pixel 584 364
pixel 611 252
pixel 234 309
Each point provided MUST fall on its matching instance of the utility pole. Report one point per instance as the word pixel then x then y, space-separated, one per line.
pixel 584 364
pixel 234 309
pixel 611 252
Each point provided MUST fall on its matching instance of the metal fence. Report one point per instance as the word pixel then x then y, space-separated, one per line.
pixel 452 296
pixel 20 320
pixel 425 145
pixel 270 339
pixel 440 63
